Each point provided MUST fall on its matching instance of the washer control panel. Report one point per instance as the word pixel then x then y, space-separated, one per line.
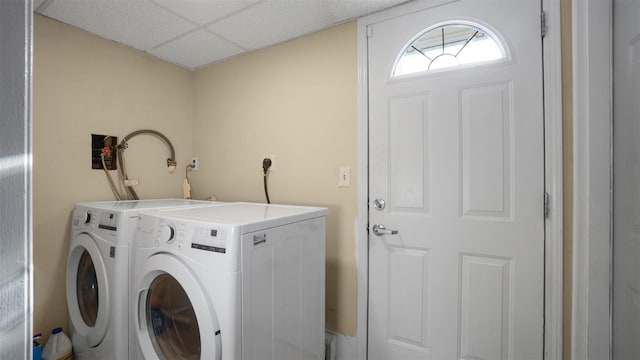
pixel 108 221
pixel 101 223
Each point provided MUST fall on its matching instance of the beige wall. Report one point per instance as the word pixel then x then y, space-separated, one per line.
pixel 84 85
pixel 297 101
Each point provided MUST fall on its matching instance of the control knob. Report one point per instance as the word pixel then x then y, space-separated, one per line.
pixel 167 233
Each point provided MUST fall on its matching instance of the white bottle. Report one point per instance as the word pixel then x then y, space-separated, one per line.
pixel 58 347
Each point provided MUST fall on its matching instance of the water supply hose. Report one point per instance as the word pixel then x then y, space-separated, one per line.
pixel 171 161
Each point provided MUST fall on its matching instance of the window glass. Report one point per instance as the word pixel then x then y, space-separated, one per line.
pixel 170 314
pixel 447 46
pixel 87 289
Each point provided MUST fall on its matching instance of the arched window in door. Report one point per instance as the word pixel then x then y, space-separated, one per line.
pixel 449 45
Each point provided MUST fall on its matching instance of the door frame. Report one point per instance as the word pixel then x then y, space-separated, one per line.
pixel 592 48
pixel 16 172
pixel 553 174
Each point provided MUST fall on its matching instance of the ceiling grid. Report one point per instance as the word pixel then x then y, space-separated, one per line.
pixel 196 33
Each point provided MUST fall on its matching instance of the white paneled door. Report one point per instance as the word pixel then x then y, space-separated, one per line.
pixel 456 159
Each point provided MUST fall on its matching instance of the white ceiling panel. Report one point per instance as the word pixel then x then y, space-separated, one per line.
pixel 271 22
pixel 194 33
pixel 37 3
pixel 138 23
pixel 196 49
pixel 205 11
pixel 351 9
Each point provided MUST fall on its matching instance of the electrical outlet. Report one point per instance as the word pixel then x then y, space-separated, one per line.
pixel 194 163
pixel 273 162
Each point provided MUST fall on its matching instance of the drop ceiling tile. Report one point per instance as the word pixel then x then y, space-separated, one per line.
pixel 167 28
pixel 37 3
pixel 196 49
pixel 271 22
pixel 205 11
pixel 343 10
pixel 138 23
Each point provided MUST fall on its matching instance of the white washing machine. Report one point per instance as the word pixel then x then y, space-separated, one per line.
pixel 98 274
pixel 235 281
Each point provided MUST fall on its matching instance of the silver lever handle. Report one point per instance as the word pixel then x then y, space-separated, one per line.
pixel 379 230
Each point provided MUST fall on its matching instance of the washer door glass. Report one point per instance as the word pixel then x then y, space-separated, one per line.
pixel 170 314
pixel 87 289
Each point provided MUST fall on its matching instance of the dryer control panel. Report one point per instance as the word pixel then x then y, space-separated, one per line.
pixel 214 244
pixel 196 236
pixel 169 232
pixel 209 239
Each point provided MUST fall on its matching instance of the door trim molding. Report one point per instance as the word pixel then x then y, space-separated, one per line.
pixel 553 174
pixel 592 106
pixel 554 227
pixel 16 172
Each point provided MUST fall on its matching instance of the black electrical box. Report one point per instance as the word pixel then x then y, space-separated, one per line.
pixel 104 144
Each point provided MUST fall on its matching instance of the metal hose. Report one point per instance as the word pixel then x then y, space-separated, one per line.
pixel 171 161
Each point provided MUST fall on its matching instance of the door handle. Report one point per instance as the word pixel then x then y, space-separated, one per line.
pixel 379 204
pixel 379 230
pixel 142 319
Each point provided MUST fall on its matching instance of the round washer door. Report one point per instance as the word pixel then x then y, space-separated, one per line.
pixel 175 318
pixel 87 290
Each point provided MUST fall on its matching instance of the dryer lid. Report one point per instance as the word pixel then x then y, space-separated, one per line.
pixel 248 217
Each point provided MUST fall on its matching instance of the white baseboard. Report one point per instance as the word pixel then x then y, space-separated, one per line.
pixel 345 346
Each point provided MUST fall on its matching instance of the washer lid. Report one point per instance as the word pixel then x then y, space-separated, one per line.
pixel 128 205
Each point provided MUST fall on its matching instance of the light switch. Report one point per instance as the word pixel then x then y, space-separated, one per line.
pixel 344 179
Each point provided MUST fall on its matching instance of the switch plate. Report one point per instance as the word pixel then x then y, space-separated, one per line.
pixel 344 179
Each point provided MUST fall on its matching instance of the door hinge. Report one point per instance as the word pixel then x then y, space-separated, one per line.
pixel 546 205
pixel 543 23
pixel 367 228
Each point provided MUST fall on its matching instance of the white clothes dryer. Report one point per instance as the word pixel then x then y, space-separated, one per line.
pixel 98 274
pixel 235 281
